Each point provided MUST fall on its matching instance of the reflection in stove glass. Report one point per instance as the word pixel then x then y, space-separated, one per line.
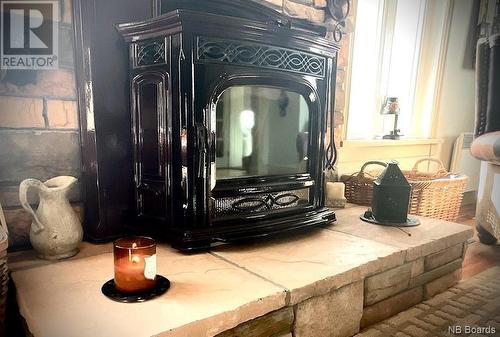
pixel 261 131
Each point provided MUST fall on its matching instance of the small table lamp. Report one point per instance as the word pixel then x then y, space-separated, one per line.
pixel 391 107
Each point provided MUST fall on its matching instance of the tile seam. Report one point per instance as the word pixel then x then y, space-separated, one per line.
pixel 287 291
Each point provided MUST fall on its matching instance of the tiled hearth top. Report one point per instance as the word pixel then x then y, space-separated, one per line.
pixel 431 236
pixel 213 292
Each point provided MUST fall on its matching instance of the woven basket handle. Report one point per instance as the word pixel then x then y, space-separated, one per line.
pixel 440 170
pixel 3 223
pixel 372 162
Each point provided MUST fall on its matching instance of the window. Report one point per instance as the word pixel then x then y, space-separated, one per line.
pixel 397 48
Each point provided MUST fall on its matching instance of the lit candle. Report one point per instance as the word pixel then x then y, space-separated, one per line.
pixel 135 264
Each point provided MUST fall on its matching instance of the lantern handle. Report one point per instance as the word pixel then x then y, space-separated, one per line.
pixel 375 162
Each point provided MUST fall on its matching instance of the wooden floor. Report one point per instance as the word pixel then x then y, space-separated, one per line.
pixel 479 257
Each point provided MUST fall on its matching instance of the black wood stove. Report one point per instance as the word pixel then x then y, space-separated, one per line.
pixel 229 103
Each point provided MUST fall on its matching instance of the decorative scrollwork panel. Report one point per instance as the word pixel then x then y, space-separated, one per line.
pixel 259 55
pixel 149 53
pixel 263 202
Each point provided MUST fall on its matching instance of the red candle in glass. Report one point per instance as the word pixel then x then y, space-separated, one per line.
pixel 135 264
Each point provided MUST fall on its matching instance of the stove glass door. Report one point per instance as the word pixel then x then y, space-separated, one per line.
pixel 261 131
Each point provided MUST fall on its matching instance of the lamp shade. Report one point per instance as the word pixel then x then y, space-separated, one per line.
pixel 390 106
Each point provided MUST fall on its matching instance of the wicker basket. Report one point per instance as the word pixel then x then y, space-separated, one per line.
pixel 4 276
pixel 434 194
pixel 359 186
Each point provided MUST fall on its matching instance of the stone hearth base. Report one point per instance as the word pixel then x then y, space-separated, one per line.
pixel 331 282
pixel 471 308
pixel 385 294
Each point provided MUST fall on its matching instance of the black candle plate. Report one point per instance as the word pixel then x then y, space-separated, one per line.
pixel 109 289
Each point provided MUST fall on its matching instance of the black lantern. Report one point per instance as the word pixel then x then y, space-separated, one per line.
pixel 391 199
pixel 391 195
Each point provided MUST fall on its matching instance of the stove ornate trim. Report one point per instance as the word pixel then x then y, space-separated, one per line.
pixel 183 66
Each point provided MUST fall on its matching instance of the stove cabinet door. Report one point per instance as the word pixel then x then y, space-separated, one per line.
pixel 150 142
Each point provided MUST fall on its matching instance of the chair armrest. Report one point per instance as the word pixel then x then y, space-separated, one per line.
pixel 487 147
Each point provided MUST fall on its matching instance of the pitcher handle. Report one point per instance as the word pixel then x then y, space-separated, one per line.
pixel 23 197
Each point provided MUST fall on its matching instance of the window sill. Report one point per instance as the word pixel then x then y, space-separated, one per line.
pixel 354 153
pixel 388 142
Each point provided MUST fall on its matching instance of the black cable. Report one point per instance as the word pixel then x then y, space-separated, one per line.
pixel 331 150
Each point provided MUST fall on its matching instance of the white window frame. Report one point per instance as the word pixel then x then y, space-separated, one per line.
pixel 428 67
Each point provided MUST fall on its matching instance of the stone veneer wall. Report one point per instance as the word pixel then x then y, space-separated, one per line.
pixel 39 135
pixel 397 289
pixel 366 302
pixel 316 11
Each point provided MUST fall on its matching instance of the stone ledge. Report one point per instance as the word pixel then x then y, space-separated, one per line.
pixel 314 264
pixel 431 236
pixel 207 295
pixel 236 288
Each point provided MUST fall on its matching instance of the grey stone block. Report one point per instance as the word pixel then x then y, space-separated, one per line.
pixel 387 283
pixel 277 323
pixel 336 314
pixel 391 306
pixel 9 195
pixel 38 154
pixel 443 257
pixel 436 273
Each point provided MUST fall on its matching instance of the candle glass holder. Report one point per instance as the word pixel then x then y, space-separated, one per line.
pixel 135 264
pixel 135 278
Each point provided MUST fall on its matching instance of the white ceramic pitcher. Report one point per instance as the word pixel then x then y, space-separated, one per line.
pixel 56 230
